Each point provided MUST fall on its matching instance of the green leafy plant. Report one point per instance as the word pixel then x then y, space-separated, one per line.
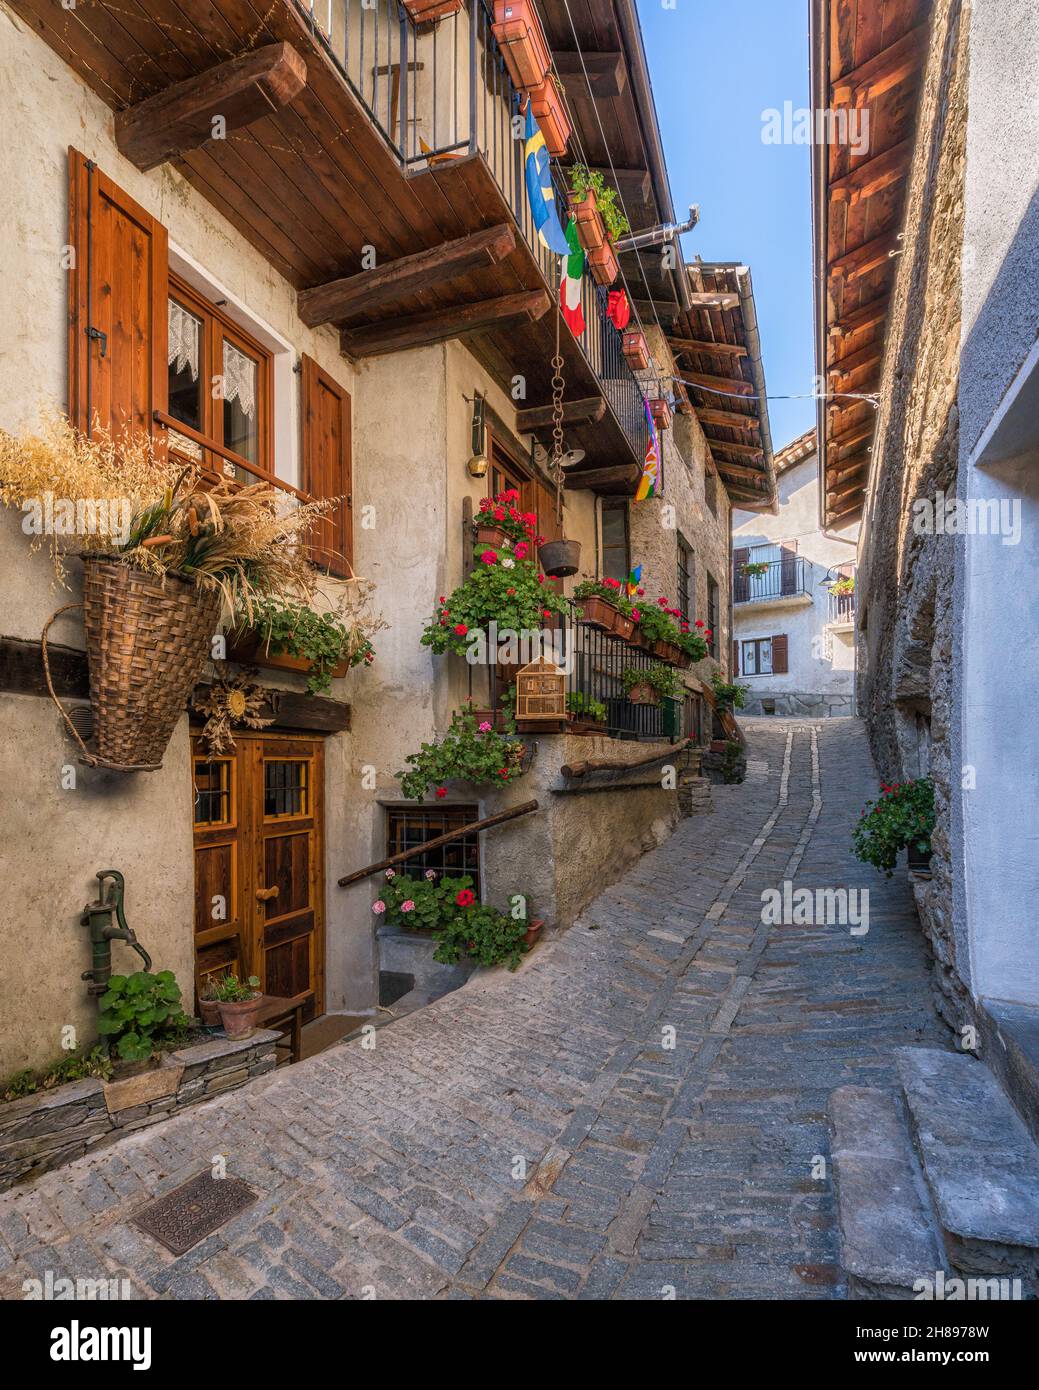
pixel 755 567
pixel 138 1010
pixel 484 934
pixel 422 904
pixel 694 646
pixel 843 586
pixel 468 752
pixel 665 680
pixel 321 639
pixel 510 592
pixel 614 221
pixel 609 589
pixel 230 990
pixel 656 625
pixel 903 814
pixel 447 906
pixel 585 707
pixel 74 1066
pixel 728 695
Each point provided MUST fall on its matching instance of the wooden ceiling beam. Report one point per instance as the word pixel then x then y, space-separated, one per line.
pixel 731 419
pixel 634 185
pixel 747 451
pixel 183 117
pixel 738 470
pixel 849 439
pixel 713 299
pixel 606 73
pixel 590 409
pixel 353 294
pixel 850 468
pixel 732 384
pixel 866 316
pixel 871 254
pixel 837 497
pixel 712 349
pixel 845 518
pixel 885 70
pixel 846 367
pixel 601 477
pixel 437 325
pixel 872 175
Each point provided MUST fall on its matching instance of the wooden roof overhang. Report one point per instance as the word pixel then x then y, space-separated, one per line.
pixel 867 56
pixel 313 182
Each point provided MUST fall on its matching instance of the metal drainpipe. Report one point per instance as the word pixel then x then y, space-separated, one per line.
pixel 819 42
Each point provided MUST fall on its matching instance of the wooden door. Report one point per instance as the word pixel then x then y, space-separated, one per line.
pixel 259 885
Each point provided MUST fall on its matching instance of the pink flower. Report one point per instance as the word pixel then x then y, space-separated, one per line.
pixel 489 558
pixel 431 874
pixel 390 873
pixel 521 550
pixel 407 906
pixel 636 615
pixel 379 907
pixel 485 728
pixel 441 792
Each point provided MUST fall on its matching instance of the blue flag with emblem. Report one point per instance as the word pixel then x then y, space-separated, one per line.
pixel 540 191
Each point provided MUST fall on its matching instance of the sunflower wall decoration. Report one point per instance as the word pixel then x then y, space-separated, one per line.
pixel 235 700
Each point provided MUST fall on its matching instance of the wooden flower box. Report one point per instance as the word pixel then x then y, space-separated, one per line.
pixel 603 264
pixel 661 412
pixel 428 11
pixel 624 626
pixel 636 350
pixel 596 612
pixel 552 117
pixel 643 694
pixel 591 230
pixel 487 533
pixel 249 647
pixel 522 42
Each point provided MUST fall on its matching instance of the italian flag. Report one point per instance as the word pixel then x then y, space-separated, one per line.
pixel 570 284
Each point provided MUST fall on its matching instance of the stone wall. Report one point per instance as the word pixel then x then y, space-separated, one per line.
pixel 905 582
pixel 51 1128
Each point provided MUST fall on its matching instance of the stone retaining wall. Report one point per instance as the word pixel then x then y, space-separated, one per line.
pixel 51 1128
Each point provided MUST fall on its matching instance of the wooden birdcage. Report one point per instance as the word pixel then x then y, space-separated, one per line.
pixel 540 693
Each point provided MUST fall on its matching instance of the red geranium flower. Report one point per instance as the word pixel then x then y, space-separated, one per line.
pixel 461 629
pixel 489 558
pixel 465 897
pixel 699 623
pixel 441 792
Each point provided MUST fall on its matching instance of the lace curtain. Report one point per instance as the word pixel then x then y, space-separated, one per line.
pixel 183 341
pixel 239 379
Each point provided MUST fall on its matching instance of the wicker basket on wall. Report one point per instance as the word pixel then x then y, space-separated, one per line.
pixel 148 638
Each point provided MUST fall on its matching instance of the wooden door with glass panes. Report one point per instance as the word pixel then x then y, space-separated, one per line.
pixel 259 885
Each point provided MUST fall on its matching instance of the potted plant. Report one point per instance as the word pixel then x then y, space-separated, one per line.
pixel 153 587
pixel 728 695
pixel 521 39
pixel 754 568
pixel 468 752
pixel 488 937
pixel 209 1005
pixel 636 350
pixel 502 588
pixel 239 1004
pixel 600 221
pixel 501 524
pixel 586 714
pixel 602 605
pixel 648 685
pixel 844 586
pixel 428 11
pixel 546 99
pixel 902 817
pixel 421 903
pixel 293 637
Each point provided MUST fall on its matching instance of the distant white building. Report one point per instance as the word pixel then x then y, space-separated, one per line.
pixel 793 634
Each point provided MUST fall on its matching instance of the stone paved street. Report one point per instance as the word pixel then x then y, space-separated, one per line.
pixel 533 1135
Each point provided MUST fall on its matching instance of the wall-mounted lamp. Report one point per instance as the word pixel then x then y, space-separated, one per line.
pixel 478 463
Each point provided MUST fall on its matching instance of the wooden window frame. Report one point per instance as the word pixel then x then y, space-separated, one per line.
pixel 615 504
pixel 714 608
pixel 216 328
pixel 684 576
pixel 756 643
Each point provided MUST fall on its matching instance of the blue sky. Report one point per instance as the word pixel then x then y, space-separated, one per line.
pixel 715 68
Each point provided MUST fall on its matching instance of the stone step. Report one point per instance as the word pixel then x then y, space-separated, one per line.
pixel 1011 1048
pixel 980 1162
pixel 889 1240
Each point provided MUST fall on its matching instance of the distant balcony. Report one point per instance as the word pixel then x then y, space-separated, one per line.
pixel 841 611
pixel 783 583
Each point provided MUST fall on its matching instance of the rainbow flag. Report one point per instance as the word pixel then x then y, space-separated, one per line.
pixel 633 581
pixel 650 469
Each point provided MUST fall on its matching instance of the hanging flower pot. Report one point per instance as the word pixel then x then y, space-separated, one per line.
pixel 623 626
pixel 596 612
pixel 552 117
pixel 426 11
pixel 148 638
pixel 591 230
pixel 636 350
pixel 603 264
pixel 560 558
pixel 489 534
pixel 522 42
pixel 642 693
pixel 661 412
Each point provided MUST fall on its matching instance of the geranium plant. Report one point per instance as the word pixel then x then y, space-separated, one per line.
pixel 755 567
pixel 321 639
pixel 501 510
pixel 903 814
pixel 484 934
pixel 501 589
pixel 424 903
pixel 447 906
pixel 468 752
pixel 585 707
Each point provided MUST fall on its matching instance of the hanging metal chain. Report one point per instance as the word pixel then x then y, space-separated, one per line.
pixel 557 421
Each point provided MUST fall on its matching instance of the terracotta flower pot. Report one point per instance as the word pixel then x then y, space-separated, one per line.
pixel 591 230
pixel 560 558
pixel 662 416
pixel 249 647
pixel 624 626
pixel 425 11
pixel 552 116
pixel 603 264
pixel 209 1012
pixel 636 350
pixel 533 932
pixel 488 533
pixel 643 694
pixel 597 612
pixel 522 42
pixel 239 1020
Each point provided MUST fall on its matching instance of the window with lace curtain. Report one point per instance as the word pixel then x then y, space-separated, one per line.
pixel 219 389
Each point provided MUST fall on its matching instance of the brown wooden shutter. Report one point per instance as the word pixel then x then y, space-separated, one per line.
pixel 118 310
pixel 544 504
pixel 788 567
pixel 779 655
pixel 740 581
pixel 327 467
pixel 735 659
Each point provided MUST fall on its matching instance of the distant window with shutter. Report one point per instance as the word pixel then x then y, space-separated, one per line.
pixel 117 310
pixel 779 655
pixel 616 555
pixel 327 467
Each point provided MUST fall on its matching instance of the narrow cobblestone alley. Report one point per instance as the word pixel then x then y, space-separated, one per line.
pixel 393 1172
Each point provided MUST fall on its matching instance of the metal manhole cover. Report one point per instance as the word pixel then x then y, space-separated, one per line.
pixel 194 1210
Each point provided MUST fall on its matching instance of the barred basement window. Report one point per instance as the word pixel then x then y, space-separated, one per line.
pixel 411 826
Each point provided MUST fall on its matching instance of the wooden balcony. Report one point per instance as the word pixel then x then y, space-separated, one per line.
pixel 374 164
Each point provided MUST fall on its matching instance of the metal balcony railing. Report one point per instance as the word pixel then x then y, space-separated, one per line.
pixel 784 578
pixel 841 608
pixel 438 93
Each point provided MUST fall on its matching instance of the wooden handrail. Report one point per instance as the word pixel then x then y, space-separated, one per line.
pixel 604 765
pixel 170 422
pixel 438 840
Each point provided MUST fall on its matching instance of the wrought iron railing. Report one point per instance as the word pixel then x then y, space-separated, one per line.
pixel 772 579
pixel 594 662
pixel 440 91
pixel 841 608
